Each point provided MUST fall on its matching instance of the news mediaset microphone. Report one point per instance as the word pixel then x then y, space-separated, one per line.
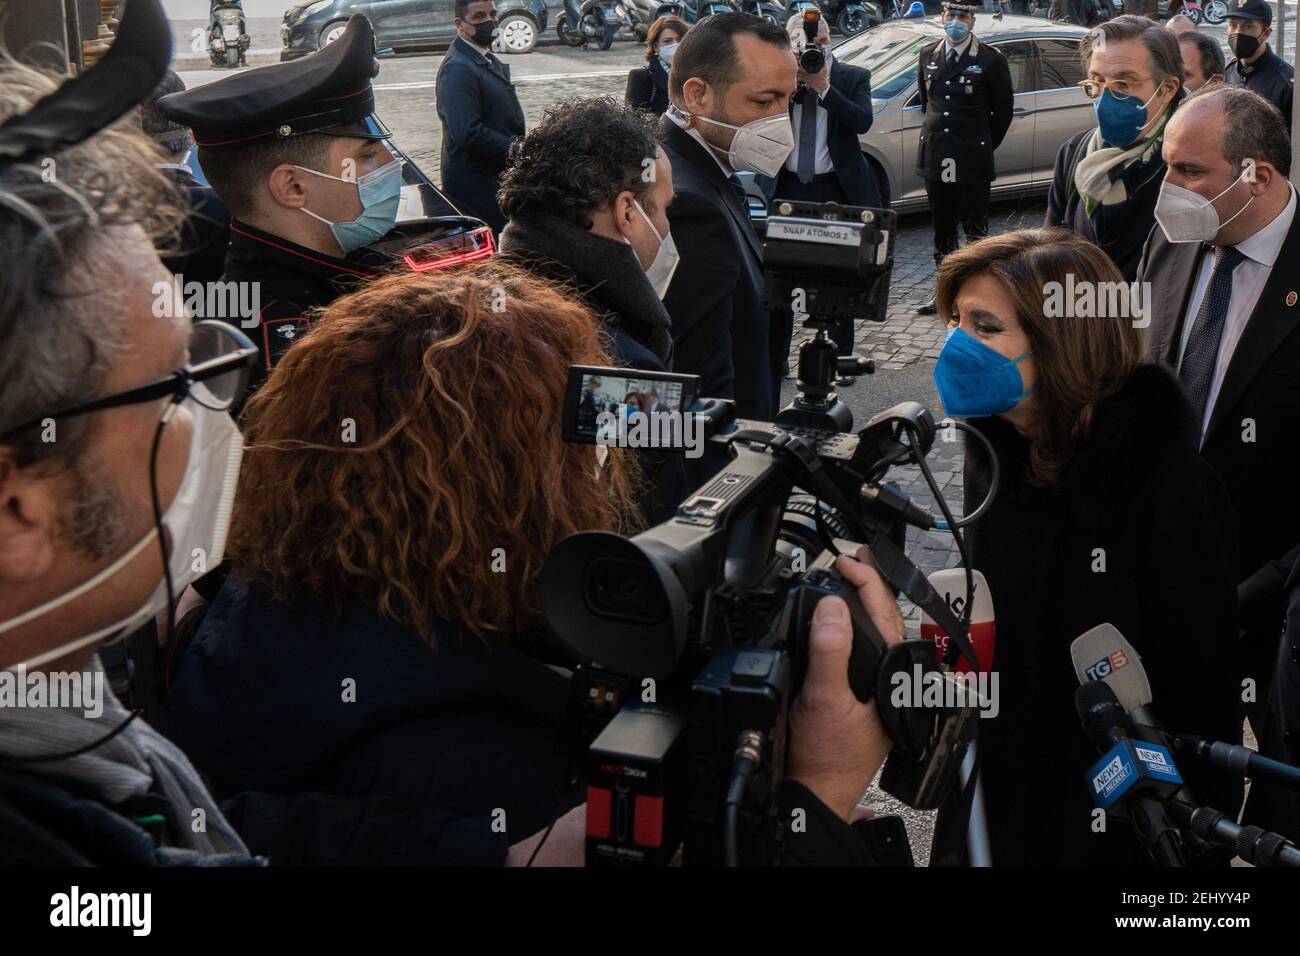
pixel 1133 778
pixel 950 584
pixel 1103 654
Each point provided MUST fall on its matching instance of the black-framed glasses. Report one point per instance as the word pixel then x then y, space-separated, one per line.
pixel 217 375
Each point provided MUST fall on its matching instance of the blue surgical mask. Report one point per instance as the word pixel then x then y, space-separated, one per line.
pixel 1121 118
pixel 380 192
pixel 957 31
pixel 974 381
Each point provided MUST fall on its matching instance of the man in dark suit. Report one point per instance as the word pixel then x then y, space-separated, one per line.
pixel 967 98
pixel 480 114
pixel 831 108
pixel 1223 265
pixel 731 83
pixel 200 252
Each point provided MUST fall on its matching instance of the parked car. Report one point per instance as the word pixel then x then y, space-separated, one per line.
pixel 1049 107
pixel 404 25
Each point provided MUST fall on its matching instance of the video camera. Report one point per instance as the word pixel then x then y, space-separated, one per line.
pixel 694 635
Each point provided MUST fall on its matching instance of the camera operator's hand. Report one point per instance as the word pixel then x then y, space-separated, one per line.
pixel 837 743
pixel 818 82
pixel 565 845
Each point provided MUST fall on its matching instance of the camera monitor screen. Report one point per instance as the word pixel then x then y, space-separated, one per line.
pixel 625 407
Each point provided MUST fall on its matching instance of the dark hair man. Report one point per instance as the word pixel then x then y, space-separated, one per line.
pixel 730 87
pixel 479 111
pixel 1222 266
pixel 587 193
pixel 200 254
pixel 966 97
pixel 295 151
pixel 1255 66
pixel 1203 60
pixel 1107 178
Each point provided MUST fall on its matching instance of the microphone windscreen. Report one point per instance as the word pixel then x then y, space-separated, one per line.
pixel 1102 654
pixel 951 585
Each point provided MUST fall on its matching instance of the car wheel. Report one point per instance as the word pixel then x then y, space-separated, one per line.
pixel 517 33
pixel 1215 11
pixel 331 33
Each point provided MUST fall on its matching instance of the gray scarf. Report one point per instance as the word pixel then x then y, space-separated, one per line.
pixel 126 766
pixel 608 274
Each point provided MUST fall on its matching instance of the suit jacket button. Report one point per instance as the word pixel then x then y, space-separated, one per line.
pixel 1295 653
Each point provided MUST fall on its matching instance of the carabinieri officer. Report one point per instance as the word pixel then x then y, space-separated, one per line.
pixel 295 151
pixel 966 97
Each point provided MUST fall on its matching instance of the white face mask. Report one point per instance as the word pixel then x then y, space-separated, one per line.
pixel 666 53
pixel 760 147
pixel 660 272
pixel 196 520
pixel 1186 216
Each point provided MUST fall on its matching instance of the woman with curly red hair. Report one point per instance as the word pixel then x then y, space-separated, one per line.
pixel 403 482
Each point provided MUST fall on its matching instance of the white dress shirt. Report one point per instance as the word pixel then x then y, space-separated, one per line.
pixel 1260 251
pixel 695 135
pixel 822 163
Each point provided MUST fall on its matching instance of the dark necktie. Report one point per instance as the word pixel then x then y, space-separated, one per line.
pixel 952 57
pixel 807 137
pixel 1196 371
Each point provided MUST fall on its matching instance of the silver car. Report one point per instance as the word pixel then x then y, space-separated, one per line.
pixel 1049 107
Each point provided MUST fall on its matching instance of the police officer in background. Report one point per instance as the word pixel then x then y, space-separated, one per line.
pixel 1255 66
pixel 295 151
pixel 966 97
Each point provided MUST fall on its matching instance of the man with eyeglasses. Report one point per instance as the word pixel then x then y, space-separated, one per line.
pixel 1106 180
pixel 967 99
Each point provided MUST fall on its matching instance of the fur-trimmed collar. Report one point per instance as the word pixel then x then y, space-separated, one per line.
pixel 1146 426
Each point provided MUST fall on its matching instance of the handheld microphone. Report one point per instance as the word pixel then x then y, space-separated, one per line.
pixel 1133 778
pixel 950 583
pixel 1239 760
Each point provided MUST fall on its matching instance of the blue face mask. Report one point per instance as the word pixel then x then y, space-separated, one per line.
pixel 380 192
pixel 957 31
pixel 1121 118
pixel 974 381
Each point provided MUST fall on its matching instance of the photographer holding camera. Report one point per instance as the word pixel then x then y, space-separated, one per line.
pixel 380 636
pixel 831 108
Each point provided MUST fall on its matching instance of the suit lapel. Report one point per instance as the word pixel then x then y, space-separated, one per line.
pixel 1273 320
pixel 1179 280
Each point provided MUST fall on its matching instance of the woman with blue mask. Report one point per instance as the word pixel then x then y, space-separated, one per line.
pixel 1104 514
pixel 1107 178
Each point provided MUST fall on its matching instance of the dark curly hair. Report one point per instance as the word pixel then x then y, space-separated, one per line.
pixel 582 154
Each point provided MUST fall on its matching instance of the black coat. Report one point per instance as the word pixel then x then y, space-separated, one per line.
pixel 720 326
pixel 1270 76
pixel 1271 805
pixel 967 109
pixel 848 107
pixel 292 281
pixel 647 87
pixel 1121 230
pixel 610 281
pixel 1262 385
pixel 481 115
pixel 1137 490
pixel 431 745
pixel 201 254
